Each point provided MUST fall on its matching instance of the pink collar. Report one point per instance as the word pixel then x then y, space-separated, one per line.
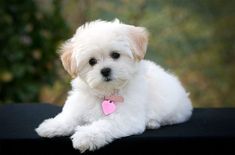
pixel 114 98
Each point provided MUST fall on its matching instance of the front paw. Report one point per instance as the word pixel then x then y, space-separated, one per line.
pixel 85 139
pixel 51 128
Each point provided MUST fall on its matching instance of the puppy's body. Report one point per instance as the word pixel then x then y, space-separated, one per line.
pixel 152 96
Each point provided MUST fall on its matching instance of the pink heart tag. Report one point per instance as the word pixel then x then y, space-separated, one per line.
pixel 108 107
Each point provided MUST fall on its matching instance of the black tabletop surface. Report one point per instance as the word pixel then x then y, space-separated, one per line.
pixel 209 130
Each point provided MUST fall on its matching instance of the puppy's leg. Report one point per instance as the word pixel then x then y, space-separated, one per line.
pixel 60 125
pixel 64 123
pixel 104 131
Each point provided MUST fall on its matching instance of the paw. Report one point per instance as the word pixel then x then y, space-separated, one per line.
pixel 87 140
pixel 51 128
pixel 47 129
pixel 153 124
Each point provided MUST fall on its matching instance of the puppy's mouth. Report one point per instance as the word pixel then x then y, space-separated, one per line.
pixel 107 84
pixel 108 79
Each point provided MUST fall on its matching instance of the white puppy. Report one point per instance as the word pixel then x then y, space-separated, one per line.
pixel 114 92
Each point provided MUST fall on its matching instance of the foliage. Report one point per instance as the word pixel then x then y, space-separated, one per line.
pixel 28 41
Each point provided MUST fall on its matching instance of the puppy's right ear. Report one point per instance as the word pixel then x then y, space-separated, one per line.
pixel 67 58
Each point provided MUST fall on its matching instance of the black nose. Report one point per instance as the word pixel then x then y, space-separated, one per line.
pixel 105 72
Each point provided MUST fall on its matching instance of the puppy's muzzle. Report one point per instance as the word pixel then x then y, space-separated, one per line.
pixel 106 72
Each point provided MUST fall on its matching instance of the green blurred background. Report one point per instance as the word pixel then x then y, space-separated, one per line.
pixel 194 39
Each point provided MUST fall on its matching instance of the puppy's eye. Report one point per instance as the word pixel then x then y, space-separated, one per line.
pixel 92 61
pixel 115 55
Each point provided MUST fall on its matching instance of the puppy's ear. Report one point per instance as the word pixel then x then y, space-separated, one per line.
pixel 68 61
pixel 139 41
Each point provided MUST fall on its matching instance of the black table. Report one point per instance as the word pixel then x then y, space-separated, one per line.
pixel 210 130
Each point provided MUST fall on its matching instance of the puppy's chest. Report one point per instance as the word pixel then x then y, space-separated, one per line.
pixel 95 110
pixel 92 111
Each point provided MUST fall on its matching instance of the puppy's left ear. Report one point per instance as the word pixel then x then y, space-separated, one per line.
pixel 139 41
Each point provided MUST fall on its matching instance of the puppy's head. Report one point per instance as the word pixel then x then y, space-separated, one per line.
pixel 104 55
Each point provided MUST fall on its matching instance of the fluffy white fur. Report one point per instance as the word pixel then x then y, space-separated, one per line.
pixel 152 96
